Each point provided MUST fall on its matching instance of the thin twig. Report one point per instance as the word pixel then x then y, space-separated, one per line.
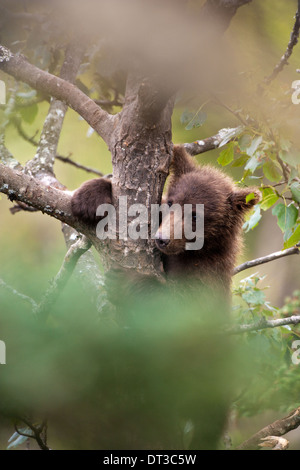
pixel 62 277
pixel 295 250
pixel 37 431
pixel 289 50
pixel 263 324
pixel 17 294
pixel 230 110
pixel 78 165
pixel 17 123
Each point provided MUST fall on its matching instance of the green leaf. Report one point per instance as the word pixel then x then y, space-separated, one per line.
pixel 295 190
pixel 254 146
pixel 286 216
pixel 253 220
pixel 294 239
pixel 252 164
pixel 186 117
pixel 249 197
pixel 244 142
pixel 269 199
pixel 193 120
pixel 29 114
pixel 197 121
pixel 240 161
pixel 291 157
pixel 255 296
pixel 272 171
pixel 227 155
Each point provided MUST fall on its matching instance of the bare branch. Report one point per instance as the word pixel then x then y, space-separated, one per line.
pixel 5 155
pixel 213 142
pixel 37 431
pixel 21 69
pixel 263 324
pixel 278 428
pixel 78 165
pixel 13 291
pixel 41 165
pixel 266 259
pixel 289 50
pixel 17 123
pixel 21 187
pixel 62 277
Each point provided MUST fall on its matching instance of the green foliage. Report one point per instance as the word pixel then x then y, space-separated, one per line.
pixel 140 384
pixel 286 216
pixel 253 220
pixel 294 239
pixel 227 155
pixel 193 120
pixel 270 380
pixel 269 163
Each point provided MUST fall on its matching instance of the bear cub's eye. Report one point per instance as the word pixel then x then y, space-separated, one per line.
pixel 169 203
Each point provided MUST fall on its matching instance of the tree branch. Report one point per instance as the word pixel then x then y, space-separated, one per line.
pixel 295 250
pixel 41 165
pixel 21 69
pixel 21 187
pixel 62 277
pixel 289 50
pixel 213 142
pixel 78 165
pixel 36 433
pixel 18 294
pixel 263 324
pixel 278 428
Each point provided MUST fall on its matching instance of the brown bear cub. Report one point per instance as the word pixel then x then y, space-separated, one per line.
pixel 224 208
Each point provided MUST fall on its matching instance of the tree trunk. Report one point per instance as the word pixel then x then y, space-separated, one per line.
pixel 141 149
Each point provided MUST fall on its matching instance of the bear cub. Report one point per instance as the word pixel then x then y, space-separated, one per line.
pixel 225 206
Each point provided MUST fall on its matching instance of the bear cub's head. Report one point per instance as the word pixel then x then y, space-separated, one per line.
pixel 225 205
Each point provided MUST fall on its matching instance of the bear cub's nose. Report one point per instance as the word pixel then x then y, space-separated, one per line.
pixel 160 241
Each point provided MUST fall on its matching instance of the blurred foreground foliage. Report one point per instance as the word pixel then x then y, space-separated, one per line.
pixel 162 381
pixel 273 383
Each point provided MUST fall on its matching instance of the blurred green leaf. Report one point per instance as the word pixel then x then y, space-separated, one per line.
pixel 240 161
pixel 269 198
pixel 295 190
pixel 294 239
pixel 255 297
pixel 227 155
pixel 244 142
pixel 252 164
pixel 291 158
pixel 272 170
pixel 254 146
pixel 286 216
pixel 253 220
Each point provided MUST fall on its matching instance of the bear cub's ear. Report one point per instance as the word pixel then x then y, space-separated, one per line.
pixel 243 199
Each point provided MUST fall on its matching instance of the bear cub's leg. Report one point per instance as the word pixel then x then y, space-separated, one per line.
pixel 89 197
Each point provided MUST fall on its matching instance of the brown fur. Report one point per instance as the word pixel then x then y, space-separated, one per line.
pixel 224 209
pixel 88 197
